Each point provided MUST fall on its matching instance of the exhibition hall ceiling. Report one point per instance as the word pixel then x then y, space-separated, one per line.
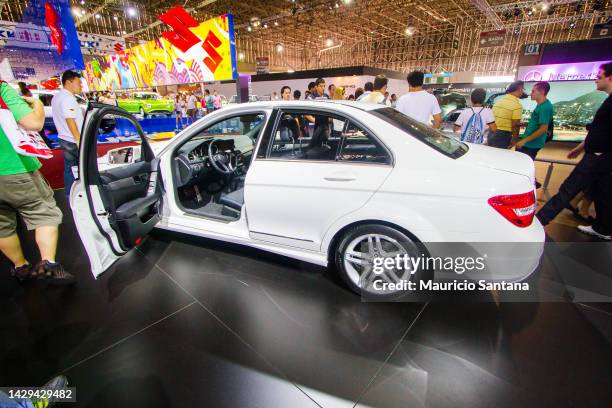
pixel 390 33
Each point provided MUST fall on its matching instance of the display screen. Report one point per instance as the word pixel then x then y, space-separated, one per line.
pixel 159 62
pixel 575 104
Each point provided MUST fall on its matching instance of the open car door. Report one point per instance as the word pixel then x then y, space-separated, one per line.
pixel 115 200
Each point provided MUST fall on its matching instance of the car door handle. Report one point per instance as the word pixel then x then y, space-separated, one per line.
pixel 340 178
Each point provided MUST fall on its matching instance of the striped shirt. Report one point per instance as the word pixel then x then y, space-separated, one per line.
pixel 505 110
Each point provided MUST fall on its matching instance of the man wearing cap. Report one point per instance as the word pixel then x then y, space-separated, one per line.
pixel 508 112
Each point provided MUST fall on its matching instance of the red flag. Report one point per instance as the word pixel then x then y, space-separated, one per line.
pixel 53 21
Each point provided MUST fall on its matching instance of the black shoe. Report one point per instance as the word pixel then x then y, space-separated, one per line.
pixel 22 272
pixel 54 273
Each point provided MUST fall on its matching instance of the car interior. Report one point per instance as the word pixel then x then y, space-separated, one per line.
pixel 210 168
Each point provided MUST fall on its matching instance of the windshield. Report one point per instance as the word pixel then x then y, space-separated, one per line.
pixel 434 138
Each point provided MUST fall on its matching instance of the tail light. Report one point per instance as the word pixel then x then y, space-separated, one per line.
pixel 519 209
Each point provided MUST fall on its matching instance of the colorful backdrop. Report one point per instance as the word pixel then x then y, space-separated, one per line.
pixel 193 52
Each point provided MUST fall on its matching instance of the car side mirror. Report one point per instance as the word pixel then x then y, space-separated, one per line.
pixel 124 155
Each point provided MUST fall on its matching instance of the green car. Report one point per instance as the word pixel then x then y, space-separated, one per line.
pixel 147 103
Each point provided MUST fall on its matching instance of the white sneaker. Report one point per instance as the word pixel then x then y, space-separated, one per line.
pixel 588 229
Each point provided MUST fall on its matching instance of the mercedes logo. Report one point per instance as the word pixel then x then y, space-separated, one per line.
pixel 533 76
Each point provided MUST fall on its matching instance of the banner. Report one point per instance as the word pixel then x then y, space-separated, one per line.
pixel 492 38
pixel 192 52
pixel 44 43
pixel 573 71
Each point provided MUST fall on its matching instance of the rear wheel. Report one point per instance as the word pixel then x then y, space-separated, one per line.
pixel 355 260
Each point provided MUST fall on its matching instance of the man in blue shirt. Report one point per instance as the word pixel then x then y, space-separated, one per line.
pixel 539 124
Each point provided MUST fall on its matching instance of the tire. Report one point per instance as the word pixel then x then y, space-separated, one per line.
pixel 392 242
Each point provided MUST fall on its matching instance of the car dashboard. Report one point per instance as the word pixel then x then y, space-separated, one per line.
pixel 192 162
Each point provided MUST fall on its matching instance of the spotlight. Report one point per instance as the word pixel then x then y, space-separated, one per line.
pixel 132 12
pixel 98 16
pixel 265 25
pixel 123 32
pixel 249 29
pixel 279 48
pixel 529 12
pixel 347 2
pixel 544 6
pixel 241 56
pixel 329 42
pixel 276 24
pixel 336 5
pixel 517 31
pixel 572 25
pixel 82 2
pixel 409 31
pixel 115 18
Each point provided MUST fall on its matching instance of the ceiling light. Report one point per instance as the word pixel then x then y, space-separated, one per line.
pixel 279 48
pixel 290 71
pixel 132 12
pixel 329 42
pixel 123 32
pixel 115 18
pixel 276 24
pixel 75 11
pixel 118 32
pixel 265 25
pixel 82 2
pixel 409 31
pixel 544 6
pixel 347 1
pixel 249 29
pixel 336 5
pixel 530 12
pixel 98 16
pixel 572 24
pixel 241 56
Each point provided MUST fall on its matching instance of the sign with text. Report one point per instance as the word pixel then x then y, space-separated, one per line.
pixel 579 71
pixel 532 49
pixel 602 31
pixel 492 38
pixel 263 65
pixel 189 52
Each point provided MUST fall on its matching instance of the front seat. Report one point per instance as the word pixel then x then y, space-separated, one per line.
pixel 233 200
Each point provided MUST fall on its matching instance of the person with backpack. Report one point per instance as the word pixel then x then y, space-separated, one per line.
pixel 476 122
pixel 537 130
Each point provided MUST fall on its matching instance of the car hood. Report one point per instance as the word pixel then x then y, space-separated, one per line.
pixel 499 159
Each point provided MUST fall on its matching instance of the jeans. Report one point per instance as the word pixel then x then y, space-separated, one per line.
pixel 6 402
pixel 501 139
pixel 71 158
pixel 529 151
pixel 591 169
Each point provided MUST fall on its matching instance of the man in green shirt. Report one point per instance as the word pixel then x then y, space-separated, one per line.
pixel 541 119
pixel 25 192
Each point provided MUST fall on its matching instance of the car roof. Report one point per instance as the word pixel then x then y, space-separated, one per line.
pixel 309 104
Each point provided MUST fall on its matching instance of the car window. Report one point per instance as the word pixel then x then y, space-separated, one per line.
pixel 306 135
pixel 426 134
pixel 357 145
pixel 249 125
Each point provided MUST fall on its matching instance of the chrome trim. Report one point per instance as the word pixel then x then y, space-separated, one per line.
pixel 281 236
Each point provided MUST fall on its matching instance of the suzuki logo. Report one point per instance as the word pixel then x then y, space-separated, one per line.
pixel 533 76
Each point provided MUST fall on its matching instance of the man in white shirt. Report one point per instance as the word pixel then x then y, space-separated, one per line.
pixel 192 108
pixel 68 120
pixel 418 103
pixel 378 94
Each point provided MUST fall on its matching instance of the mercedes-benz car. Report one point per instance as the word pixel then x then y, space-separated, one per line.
pixel 333 183
pixel 147 103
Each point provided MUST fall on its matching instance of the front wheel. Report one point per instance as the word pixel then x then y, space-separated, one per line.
pixel 360 255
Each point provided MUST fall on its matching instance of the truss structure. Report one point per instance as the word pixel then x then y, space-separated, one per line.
pixel 434 36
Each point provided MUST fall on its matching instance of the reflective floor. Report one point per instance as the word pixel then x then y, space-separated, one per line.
pixel 184 322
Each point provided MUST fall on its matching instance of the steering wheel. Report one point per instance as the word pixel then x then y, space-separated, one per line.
pixel 223 162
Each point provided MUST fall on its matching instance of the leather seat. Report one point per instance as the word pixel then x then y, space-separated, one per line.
pixel 234 200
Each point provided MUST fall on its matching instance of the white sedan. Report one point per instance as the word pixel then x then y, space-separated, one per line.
pixel 343 184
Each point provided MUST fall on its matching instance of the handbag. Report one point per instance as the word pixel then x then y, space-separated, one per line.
pixel 25 143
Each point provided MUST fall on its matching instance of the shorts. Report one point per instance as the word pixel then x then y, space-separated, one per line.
pixel 29 195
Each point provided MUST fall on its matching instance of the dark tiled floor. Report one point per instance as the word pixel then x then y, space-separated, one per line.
pixel 192 322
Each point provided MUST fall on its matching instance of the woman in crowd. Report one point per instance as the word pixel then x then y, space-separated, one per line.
pixel 217 103
pixel 179 109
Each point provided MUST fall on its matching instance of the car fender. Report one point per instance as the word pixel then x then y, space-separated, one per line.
pixel 394 213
